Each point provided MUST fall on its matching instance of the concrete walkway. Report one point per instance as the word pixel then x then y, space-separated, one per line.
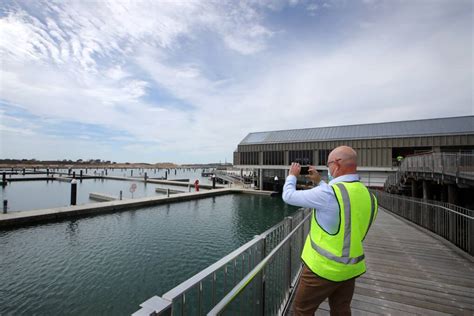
pixel 51 214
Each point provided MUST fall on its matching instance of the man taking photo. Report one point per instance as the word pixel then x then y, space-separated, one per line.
pixel 333 255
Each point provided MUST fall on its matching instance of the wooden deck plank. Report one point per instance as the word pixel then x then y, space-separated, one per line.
pixel 412 288
pixel 411 272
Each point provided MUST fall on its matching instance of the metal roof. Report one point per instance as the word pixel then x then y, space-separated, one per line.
pixel 428 127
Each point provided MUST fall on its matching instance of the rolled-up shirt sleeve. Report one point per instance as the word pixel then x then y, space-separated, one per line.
pixel 314 198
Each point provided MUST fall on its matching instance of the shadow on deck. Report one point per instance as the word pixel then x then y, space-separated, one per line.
pixel 411 271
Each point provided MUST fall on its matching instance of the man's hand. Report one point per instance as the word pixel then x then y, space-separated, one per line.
pixel 313 175
pixel 295 169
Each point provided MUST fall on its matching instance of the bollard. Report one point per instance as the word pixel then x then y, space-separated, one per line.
pixel 168 192
pixel 166 175
pixel 80 174
pixel 74 175
pixel 5 206
pixel 121 193
pixel 73 192
pixel 196 185
pixel 213 181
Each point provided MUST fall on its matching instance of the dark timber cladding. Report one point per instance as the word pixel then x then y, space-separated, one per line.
pixel 377 144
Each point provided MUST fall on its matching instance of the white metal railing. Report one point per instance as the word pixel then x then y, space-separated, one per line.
pixel 454 224
pixel 458 165
pixel 266 289
pixel 200 293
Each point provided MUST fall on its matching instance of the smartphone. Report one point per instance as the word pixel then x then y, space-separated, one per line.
pixel 304 170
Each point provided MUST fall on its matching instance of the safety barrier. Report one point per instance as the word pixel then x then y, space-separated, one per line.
pixel 266 290
pixel 199 294
pixel 452 222
pixel 455 165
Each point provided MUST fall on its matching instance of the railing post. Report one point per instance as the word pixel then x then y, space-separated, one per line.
pixel 470 238
pixel 263 276
pixel 289 249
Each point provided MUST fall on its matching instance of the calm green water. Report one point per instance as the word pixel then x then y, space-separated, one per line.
pixel 111 263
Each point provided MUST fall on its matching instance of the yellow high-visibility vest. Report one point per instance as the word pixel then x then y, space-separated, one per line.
pixel 340 256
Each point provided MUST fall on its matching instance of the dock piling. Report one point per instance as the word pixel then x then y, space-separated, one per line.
pixel 73 192
pixel 5 206
pixel 74 175
pixel 168 192
pixel 4 179
pixel 121 194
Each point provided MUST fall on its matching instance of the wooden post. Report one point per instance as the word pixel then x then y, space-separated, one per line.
pixel 5 206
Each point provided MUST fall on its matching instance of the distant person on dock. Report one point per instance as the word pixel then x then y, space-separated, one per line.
pixel 399 159
pixel 342 212
pixel 275 184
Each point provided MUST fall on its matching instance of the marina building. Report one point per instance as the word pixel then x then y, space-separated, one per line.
pixel 268 154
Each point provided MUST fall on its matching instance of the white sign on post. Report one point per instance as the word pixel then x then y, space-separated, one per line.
pixel 133 188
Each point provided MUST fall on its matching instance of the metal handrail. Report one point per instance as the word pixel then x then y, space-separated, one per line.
pixel 252 274
pixel 456 226
pixel 257 248
pixel 458 165
pixel 468 213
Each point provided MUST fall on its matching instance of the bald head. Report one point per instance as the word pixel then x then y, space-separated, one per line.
pixel 343 160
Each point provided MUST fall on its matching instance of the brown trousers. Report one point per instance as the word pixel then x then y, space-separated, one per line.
pixel 312 290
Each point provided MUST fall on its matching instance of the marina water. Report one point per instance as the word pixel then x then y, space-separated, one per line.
pixel 109 264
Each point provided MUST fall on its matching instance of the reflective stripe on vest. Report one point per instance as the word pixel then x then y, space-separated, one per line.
pixel 345 258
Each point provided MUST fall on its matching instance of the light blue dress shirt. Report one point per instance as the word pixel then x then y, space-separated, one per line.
pixel 321 198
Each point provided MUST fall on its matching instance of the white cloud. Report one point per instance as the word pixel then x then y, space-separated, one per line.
pixel 312 8
pixel 102 63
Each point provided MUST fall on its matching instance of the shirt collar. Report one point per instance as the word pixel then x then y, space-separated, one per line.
pixel 345 178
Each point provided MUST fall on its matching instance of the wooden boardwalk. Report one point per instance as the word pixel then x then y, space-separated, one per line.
pixel 411 272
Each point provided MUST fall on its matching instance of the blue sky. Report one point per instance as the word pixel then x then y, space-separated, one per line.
pixel 186 81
